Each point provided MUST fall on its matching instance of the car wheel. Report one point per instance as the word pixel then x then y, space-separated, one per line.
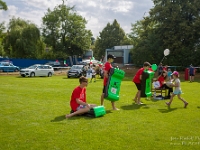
pixel 32 74
pixel 68 76
pixel 49 74
pixel 1 70
pixel 23 75
pixel 16 70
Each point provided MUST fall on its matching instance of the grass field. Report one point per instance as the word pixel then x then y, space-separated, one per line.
pixel 33 110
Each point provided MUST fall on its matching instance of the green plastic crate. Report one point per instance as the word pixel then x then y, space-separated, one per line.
pixel 99 111
pixel 113 84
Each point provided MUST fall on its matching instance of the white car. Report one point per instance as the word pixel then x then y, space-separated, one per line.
pixel 37 70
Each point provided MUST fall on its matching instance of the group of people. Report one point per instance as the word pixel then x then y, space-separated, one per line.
pixel 79 104
pixel 78 101
pixel 163 77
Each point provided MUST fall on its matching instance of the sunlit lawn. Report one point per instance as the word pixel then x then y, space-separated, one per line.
pixel 33 109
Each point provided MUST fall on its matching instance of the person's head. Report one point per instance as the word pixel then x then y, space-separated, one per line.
pixel 160 64
pixel 175 74
pixel 110 58
pixel 164 73
pixel 146 65
pixel 169 69
pixel 83 81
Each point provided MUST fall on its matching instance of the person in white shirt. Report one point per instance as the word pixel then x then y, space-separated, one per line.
pixel 177 91
pixel 93 75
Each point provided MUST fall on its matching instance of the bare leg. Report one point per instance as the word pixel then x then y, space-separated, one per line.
pixel 171 99
pixel 95 79
pixel 185 103
pixel 192 78
pixel 113 106
pixel 138 97
pixel 81 111
pixel 102 98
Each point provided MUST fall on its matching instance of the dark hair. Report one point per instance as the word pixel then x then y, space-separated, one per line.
pixel 163 75
pixel 82 79
pixel 110 56
pixel 146 64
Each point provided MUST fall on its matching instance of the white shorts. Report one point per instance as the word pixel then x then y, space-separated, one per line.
pixel 80 107
pixel 177 92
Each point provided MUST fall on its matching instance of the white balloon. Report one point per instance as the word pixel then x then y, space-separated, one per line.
pixel 166 52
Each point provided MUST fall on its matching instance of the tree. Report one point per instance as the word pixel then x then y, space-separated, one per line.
pixel 146 48
pixel 23 40
pixel 110 36
pixel 65 31
pixel 178 27
pixel 2 35
pixel 172 24
pixel 3 5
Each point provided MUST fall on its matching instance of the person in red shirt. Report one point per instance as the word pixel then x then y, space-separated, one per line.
pixel 165 68
pixel 162 79
pixel 107 67
pixel 137 80
pixel 78 99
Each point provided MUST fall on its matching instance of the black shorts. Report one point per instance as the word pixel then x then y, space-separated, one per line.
pixel 104 89
pixel 138 85
pixel 191 74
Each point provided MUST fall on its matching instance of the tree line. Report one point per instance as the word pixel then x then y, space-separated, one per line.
pixel 171 24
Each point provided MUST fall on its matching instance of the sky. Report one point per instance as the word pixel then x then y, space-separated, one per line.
pixel 97 12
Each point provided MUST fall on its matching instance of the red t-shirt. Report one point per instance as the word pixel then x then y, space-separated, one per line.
pixel 161 79
pixel 136 78
pixel 164 69
pixel 77 93
pixel 107 67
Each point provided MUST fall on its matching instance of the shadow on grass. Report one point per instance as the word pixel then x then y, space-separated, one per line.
pixel 133 106
pixel 59 118
pixel 167 110
pixel 86 116
pixel 20 77
pixel 198 107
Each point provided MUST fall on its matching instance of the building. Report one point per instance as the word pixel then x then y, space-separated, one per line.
pixel 88 54
pixel 122 54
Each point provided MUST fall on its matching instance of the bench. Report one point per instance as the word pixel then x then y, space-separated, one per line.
pixel 161 91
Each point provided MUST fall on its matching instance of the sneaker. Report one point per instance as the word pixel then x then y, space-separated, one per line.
pixel 140 103
pixel 185 105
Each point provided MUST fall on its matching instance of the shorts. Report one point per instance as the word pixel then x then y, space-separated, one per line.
pixel 80 107
pixel 104 89
pixel 138 85
pixel 191 74
pixel 177 92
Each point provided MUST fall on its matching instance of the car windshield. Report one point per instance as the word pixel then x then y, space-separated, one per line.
pixel 6 64
pixel 77 67
pixel 32 67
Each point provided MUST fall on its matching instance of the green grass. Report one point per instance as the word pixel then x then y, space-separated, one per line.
pixel 33 109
